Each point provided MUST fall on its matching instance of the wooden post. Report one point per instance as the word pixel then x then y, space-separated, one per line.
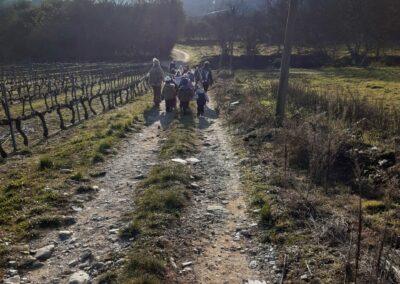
pixel 285 64
pixel 8 115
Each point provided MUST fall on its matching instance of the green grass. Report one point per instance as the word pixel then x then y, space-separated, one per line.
pixel 181 142
pixel 380 85
pixel 144 269
pixel 164 194
pixel 373 206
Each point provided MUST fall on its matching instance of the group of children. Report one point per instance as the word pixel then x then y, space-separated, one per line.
pixel 184 84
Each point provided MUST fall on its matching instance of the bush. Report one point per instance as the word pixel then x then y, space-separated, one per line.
pixel 45 163
pixel 77 177
pixel 104 148
pixel 140 265
pixel 266 215
pixel 97 158
pixel 131 231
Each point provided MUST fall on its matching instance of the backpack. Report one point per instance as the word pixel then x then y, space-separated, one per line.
pixel 185 94
pixel 206 76
pixel 169 91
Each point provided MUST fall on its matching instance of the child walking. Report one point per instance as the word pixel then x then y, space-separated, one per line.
pixel 169 94
pixel 202 100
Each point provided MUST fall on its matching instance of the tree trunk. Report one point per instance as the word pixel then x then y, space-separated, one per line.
pixel 285 64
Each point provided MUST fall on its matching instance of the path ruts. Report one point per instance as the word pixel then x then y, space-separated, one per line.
pixel 95 239
pixel 220 238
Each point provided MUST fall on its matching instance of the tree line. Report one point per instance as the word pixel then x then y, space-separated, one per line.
pixel 360 27
pixel 88 30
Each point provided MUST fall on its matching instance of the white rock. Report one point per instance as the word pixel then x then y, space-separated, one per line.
pixel 76 208
pixel 253 264
pixel 79 277
pixel 256 282
pixel 13 280
pixel 186 264
pixel 215 208
pixel 171 259
pixel 113 231
pixel 235 103
pixel 63 235
pixel 383 162
pixel 304 277
pixel 179 161
pixel 44 252
pixel 13 272
pixel 73 263
pixel 193 161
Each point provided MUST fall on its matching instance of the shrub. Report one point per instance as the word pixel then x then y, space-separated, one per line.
pixel 77 177
pixel 47 221
pixel 104 147
pixel 140 265
pixel 258 200
pixel 97 158
pixel 266 215
pixel 131 231
pixel 45 163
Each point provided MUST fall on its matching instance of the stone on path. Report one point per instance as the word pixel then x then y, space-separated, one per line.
pixel 215 208
pixel 256 282
pixel 194 185
pixel 44 253
pixel 193 161
pixel 79 277
pixel 186 264
pixel 64 235
pixel 304 277
pixel 179 161
pixel 253 264
pixel 13 280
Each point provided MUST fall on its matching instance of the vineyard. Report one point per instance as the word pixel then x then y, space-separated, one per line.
pixel 38 101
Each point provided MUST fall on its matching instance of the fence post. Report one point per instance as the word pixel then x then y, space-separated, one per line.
pixel 4 100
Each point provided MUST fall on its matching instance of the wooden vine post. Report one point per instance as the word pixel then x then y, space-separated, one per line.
pixel 4 102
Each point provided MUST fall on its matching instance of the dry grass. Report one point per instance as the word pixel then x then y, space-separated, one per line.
pixel 305 174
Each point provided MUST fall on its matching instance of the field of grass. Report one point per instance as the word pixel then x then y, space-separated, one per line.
pixel 200 52
pixel 380 85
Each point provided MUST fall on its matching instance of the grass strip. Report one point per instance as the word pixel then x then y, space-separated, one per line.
pixel 164 195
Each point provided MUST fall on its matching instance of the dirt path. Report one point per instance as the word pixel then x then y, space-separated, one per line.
pixel 219 230
pixel 92 244
pixel 180 55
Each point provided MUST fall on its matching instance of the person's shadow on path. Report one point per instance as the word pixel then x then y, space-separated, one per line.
pixel 153 115
pixel 209 115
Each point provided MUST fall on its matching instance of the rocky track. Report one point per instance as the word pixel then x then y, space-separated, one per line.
pixel 218 240
pixel 92 245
